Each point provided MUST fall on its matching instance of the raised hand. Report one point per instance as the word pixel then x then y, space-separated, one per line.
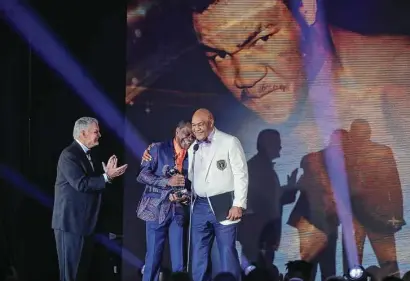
pixel 111 163
pixel 146 156
pixel 292 178
pixel 111 168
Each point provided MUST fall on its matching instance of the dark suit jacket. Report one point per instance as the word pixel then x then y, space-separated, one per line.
pixel 154 204
pixel 77 192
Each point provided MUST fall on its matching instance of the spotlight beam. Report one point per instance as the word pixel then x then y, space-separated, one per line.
pixel 41 39
pixel 326 117
pixel 19 182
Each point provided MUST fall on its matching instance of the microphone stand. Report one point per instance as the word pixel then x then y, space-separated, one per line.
pixel 191 209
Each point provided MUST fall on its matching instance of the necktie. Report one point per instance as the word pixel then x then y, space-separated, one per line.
pixel 89 159
pixel 207 140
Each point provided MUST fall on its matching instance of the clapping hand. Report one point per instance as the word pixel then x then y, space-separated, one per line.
pixel 112 162
pixel 111 168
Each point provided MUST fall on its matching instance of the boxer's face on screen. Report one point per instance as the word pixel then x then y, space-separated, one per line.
pixel 253 46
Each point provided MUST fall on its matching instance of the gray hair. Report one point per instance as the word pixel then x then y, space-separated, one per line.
pixel 82 124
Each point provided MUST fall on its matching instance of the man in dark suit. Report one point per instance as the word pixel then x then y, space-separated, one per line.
pixel 79 184
pixel 165 188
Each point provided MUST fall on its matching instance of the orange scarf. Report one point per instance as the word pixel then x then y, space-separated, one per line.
pixel 179 156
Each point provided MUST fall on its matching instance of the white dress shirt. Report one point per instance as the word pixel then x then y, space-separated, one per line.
pixel 86 150
pixel 202 159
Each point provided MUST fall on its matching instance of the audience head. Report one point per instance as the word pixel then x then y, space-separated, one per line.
pixel 273 272
pixel 180 276
pixel 373 272
pixel 406 276
pixel 202 124
pixel 224 276
pixel 259 274
pixel 299 269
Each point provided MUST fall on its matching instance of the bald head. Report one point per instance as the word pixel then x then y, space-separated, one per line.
pixel 202 123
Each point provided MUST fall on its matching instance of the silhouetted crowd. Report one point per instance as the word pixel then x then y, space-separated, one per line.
pixel 298 270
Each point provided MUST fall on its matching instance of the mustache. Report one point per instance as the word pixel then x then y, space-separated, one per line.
pixel 264 88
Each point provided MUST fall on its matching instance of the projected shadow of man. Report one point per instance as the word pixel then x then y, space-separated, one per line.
pixel 376 197
pixel 315 214
pixel 261 227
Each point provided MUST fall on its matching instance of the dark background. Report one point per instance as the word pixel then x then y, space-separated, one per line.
pixel 38 110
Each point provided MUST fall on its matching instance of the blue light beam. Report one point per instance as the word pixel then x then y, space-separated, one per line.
pixel 18 181
pixel 31 28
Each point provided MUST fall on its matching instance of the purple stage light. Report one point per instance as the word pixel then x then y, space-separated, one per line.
pixel 18 181
pixel 58 58
pixel 321 98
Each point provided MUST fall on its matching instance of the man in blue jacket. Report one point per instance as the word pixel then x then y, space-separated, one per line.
pixel 161 205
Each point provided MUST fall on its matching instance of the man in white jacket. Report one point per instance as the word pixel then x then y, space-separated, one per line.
pixel 219 175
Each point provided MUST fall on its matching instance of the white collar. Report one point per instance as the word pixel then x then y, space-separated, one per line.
pixel 86 149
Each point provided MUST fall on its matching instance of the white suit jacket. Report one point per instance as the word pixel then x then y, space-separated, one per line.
pixel 226 150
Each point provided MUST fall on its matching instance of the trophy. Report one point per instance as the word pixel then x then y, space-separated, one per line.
pixel 179 191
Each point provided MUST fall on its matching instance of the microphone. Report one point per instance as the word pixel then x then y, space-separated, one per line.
pixel 191 208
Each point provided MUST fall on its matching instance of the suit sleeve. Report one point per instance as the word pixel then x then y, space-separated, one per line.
pixel 76 177
pixel 147 174
pixel 288 195
pixel 240 174
pixel 302 182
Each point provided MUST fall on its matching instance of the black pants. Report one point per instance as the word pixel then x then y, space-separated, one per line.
pixel 74 255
